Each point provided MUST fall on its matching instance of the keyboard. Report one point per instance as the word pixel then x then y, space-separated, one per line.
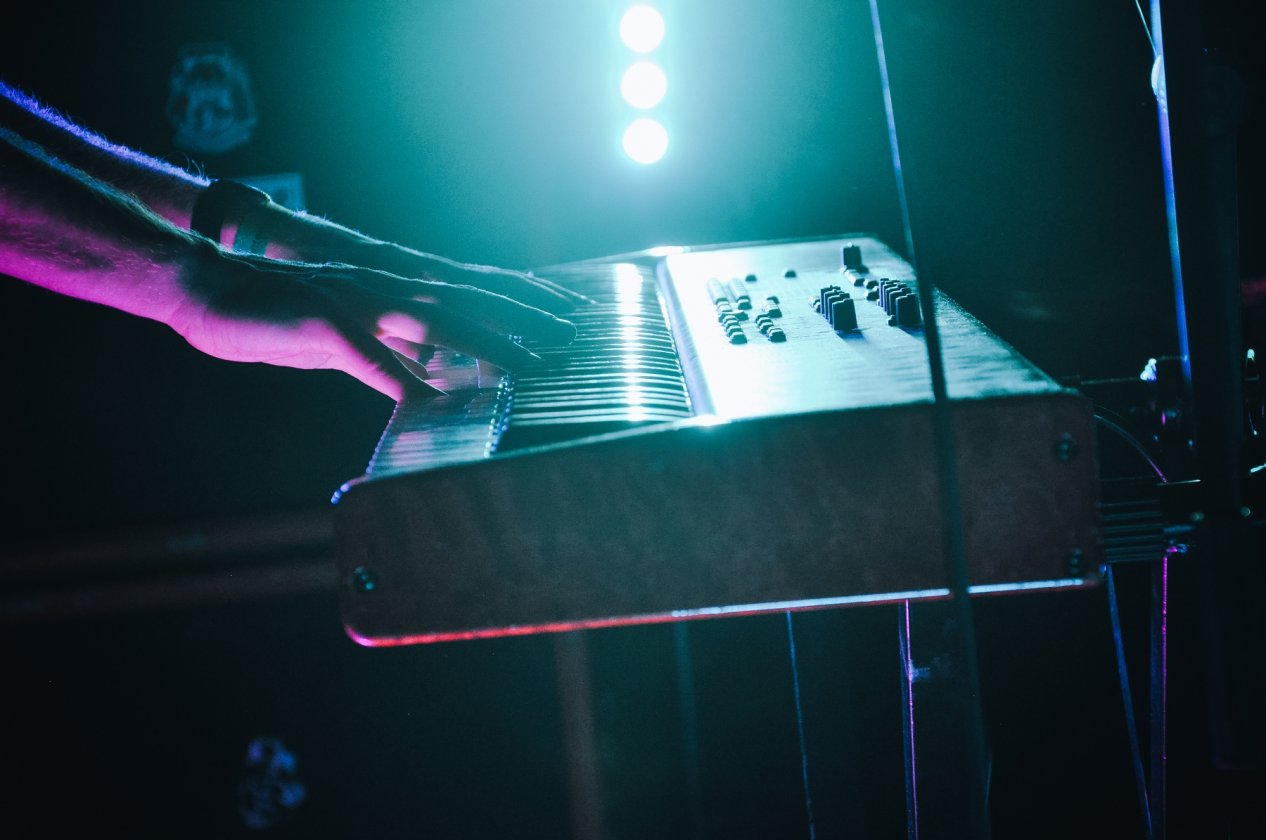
pixel 736 429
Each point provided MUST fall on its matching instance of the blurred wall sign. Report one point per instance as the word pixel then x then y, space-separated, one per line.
pixel 210 102
pixel 269 791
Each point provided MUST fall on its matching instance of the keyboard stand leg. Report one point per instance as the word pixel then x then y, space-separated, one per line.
pixel 575 695
pixel 938 789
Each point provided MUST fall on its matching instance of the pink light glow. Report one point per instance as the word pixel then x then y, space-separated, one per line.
pixel 703 613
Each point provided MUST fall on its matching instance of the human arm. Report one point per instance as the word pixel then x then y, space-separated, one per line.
pixel 172 194
pixel 68 232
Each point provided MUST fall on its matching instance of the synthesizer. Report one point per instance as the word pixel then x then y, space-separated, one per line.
pixel 736 429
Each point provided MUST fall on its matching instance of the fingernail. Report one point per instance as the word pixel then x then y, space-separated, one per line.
pixel 417 389
pixel 560 332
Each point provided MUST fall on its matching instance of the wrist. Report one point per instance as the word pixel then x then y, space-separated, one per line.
pixel 221 207
pixel 199 276
pixel 240 218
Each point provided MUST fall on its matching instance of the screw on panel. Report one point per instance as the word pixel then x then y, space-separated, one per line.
pixel 1066 448
pixel 1076 562
pixel 364 579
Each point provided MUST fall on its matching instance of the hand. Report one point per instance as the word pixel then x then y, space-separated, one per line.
pixel 367 323
pixel 311 239
pixel 531 290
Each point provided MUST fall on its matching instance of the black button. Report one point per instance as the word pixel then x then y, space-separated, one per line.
pixel 826 295
pixel 843 315
pixel 851 256
pixel 894 302
pixel 908 313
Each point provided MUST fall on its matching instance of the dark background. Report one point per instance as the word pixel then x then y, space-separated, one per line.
pixel 488 131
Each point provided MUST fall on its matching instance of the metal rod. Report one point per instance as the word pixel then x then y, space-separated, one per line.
pixel 1159 699
pixel 907 720
pixel 955 550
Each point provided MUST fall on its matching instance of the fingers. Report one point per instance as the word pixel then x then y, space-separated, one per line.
pixel 526 288
pixel 428 323
pixel 416 368
pixel 534 291
pixel 376 365
pixel 429 302
pixel 419 353
pixel 505 315
pixel 377 327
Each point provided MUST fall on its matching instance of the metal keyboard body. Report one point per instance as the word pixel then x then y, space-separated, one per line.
pixel 665 467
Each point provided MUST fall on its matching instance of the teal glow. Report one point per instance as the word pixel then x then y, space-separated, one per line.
pixel 645 140
pixel 642 28
pixel 644 84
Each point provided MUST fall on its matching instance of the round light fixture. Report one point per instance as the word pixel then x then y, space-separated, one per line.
pixel 644 84
pixel 645 140
pixel 642 28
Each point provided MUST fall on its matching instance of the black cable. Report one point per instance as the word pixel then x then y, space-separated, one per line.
pixel 1134 443
pixel 947 474
pixel 1123 674
pixel 804 752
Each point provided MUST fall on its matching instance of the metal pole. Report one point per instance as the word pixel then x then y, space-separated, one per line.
pixel 1200 104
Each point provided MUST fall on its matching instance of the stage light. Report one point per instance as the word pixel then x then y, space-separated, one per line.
pixel 644 85
pixel 645 140
pixel 642 28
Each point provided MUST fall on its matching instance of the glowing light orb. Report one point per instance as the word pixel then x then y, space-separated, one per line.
pixel 642 28
pixel 645 140
pixel 644 85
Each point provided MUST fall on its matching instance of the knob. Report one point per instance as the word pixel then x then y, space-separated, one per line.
pixel 851 255
pixel 907 312
pixel 843 316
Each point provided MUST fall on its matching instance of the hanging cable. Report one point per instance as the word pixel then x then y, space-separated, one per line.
pixel 1134 443
pixel 1123 673
pixel 804 752
pixel 1127 698
pixel 1146 29
pixel 947 474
